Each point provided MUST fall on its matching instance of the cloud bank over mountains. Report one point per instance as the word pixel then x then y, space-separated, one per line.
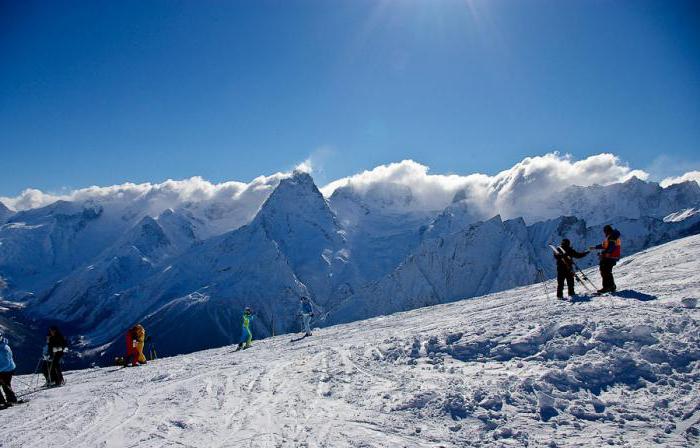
pixel 168 194
pixel 689 176
pixel 527 179
pixel 527 184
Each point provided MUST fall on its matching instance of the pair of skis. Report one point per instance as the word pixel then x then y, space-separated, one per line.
pixel 18 402
pixel 302 337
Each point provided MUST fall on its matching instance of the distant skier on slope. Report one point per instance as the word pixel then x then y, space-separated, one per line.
pixel 611 250
pixel 564 256
pixel 132 352
pixel 307 312
pixel 56 347
pixel 246 334
pixel 140 334
pixel 7 369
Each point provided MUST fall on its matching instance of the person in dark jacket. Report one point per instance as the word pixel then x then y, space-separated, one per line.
pixel 611 250
pixel 565 267
pixel 56 347
pixel 7 369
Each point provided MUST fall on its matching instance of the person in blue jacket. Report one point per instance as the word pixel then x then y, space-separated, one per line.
pixel 7 368
pixel 307 312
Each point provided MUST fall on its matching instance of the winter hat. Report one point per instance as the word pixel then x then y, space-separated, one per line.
pixel 607 229
pixel 565 242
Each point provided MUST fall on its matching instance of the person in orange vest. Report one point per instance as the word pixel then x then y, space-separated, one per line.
pixel 611 250
pixel 140 341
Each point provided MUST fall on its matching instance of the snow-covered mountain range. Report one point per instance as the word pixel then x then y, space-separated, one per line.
pixel 99 265
pixel 511 369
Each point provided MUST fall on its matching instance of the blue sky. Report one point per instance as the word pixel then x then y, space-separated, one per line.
pixel 106 92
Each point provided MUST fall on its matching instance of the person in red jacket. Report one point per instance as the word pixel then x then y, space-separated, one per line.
pixel 132 352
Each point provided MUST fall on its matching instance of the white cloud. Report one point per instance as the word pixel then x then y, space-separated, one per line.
pixel 513 192
pixel 168 194
pixel 305 167
pixel 509 192
pixel 690 175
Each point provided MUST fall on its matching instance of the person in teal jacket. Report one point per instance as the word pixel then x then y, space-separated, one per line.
pixel 7 369
pixel 246 334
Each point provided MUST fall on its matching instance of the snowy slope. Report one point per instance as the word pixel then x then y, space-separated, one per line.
pixel 40 246
pixel 632 199
pixel 139 253
pixel 508 369
pixel 493 256
pixel 380 230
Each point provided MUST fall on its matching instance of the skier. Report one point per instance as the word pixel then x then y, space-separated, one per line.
pixel 140 334
pixel 611 249
pixel 246 335
pixel 7 368
pixel 565 267
pixel 132 352
pixel 56 347
pixel 307 312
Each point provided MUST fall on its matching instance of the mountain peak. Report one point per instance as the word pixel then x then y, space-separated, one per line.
pixel 5 213
pixel 299 187
pixel 634 180
pixel 300 177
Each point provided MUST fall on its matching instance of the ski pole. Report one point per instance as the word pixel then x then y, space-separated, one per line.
pixel 584 276
pixel 36 372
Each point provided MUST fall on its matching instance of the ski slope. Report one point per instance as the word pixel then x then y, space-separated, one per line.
pixel 509 369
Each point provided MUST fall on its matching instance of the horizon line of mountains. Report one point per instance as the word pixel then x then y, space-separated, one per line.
pixel 98 267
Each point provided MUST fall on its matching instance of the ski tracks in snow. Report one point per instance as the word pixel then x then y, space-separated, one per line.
pixel 509 369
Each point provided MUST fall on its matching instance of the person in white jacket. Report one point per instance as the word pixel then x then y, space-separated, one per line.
pixel 307 312
pixel 7 369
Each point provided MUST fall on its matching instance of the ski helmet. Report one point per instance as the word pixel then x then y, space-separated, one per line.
pixel 607 229
pixel 247 310
pixel 565 242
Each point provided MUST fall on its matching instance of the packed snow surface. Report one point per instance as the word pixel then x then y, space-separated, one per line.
pixel 515 368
